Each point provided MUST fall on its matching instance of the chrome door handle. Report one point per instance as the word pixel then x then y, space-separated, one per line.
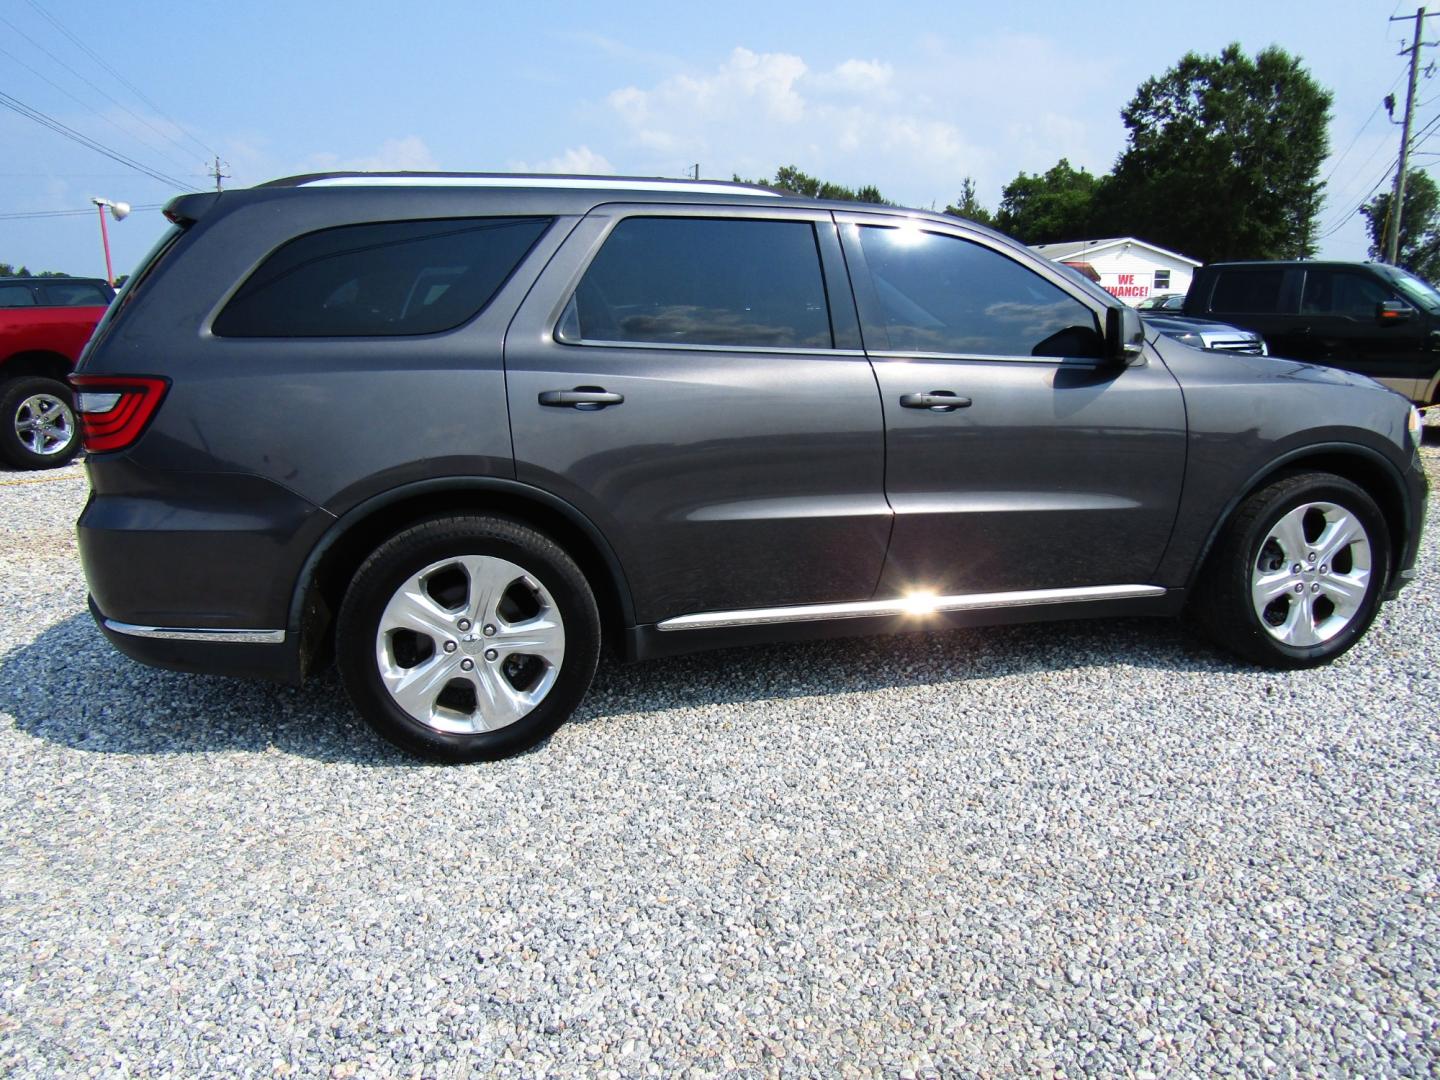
pixel 582 397
pixel 938 400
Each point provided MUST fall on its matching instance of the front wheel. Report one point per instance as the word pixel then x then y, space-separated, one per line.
pixel 467 638
pixel 37 423
pixel 1297 574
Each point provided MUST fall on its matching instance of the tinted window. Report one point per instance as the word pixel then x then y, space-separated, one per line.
pixel 1334 292
pixel 398 277
pixel 74 294
pixel 947 295
pixel 694 281
pixel 16 296
pixel 1248 291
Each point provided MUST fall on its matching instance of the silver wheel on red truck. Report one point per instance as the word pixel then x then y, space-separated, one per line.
pixel 37 423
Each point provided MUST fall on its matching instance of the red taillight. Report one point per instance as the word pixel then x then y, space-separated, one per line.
pixel 114 410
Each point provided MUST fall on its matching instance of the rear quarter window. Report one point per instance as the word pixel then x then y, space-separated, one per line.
pixel 379 280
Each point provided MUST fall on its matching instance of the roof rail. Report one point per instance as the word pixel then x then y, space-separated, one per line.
pixel 522 180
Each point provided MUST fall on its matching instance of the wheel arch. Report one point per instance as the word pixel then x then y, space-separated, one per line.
pixel 355 534
pixel 51 365
pixel 1366 468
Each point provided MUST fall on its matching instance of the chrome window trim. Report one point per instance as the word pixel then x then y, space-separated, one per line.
pixel 690 347
pixel 1001 358
pixel 185 633
pixel 916 606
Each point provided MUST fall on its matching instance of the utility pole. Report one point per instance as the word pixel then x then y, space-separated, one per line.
pixel 218 175
pixel 696 170
pixel 1397 199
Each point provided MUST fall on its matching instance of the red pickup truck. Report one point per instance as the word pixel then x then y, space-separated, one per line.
pixel 44 323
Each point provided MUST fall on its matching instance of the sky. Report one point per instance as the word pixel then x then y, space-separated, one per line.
pixel 912 98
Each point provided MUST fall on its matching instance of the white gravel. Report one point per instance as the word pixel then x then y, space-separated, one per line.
pixel 1078 849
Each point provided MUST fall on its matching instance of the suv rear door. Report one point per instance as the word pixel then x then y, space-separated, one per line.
pixel 1053 470
pixel 691 379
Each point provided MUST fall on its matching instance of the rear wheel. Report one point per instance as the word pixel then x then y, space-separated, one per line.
pixel 467 638
pixel 37 423
pixel 1296 577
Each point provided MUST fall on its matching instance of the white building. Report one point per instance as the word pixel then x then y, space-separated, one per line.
pixel 1125 267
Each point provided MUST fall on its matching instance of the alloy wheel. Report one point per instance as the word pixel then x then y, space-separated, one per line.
pixel 1312 574
pixel 470 644
pixel 44 424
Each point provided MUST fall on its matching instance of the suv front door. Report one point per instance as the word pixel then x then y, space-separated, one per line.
pixel 1052 469
pixel 691 379
pixel 1340 312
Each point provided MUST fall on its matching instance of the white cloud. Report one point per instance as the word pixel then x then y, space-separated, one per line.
pixel 406 154
pixel 987 109
pixel 575 160
pixel 757 111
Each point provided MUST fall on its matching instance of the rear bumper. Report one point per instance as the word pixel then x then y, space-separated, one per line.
pixel 196 572
pixel 256 654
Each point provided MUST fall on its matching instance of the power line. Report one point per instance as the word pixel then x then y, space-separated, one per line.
pixel 1424 135
pixel 118 104
pixel 121 78
pixel 1397 198
pixel 87 107
pixel 27 214
pixel 1368 121
pixel 1337 222
pixel 14 104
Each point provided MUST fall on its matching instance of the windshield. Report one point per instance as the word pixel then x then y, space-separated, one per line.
pixel 1414 288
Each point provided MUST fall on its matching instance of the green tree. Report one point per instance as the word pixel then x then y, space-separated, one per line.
pixel 968 206
pixel 7 270
pixel 789 178
pixel 1419 225
pixel 1041 209
pixel 1223 158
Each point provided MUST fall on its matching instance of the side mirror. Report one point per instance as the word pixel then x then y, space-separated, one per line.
pixel 1124 336
pixel 1389 311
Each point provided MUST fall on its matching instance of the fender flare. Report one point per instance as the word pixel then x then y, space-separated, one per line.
pixel 1359 450
pixel 447 484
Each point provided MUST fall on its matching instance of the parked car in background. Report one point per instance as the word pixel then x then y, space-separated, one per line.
pixel 456 430
pixel 44 323
pixel 1205 333
pixel 1164 302
pixel 1369 318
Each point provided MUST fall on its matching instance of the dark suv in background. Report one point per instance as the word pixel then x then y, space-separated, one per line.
pixel 459 430
pixel 1370 318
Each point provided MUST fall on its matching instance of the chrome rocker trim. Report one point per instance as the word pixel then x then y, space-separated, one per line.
pixel 912 605
pixel 183 633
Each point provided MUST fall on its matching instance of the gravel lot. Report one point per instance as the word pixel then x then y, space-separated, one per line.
pixel 1077 849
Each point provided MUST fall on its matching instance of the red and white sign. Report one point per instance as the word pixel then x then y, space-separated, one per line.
pixel 1124 287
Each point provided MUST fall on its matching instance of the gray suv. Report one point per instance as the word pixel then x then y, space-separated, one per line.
pixel 459 431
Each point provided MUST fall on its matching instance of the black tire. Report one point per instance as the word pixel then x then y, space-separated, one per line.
pixel 494 542
pixel 1224 608
pixel 37 448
